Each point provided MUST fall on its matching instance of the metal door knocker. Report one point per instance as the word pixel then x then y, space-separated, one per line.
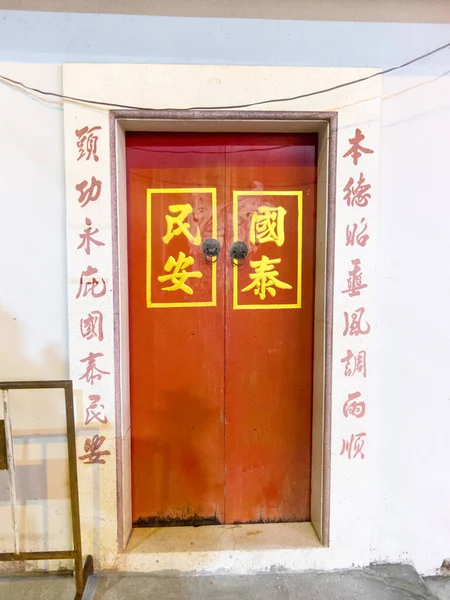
pixel 238 253
pixel 211 250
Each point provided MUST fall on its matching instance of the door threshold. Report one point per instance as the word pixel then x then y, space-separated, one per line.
pixel 259 536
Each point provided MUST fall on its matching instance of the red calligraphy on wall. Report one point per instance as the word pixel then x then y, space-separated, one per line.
pixel 90 285
pixel 95 411
pixel 356 150
pixel 354 324
pixel 87 238
pixel 357 194
pixel 92 326
pixel 356 234
pixel 89 192
pixel 353 407
pixel 87 140
pixel 92 372
pixel 354 446
pixel 355 363
pixel 93 454
pixel 354 282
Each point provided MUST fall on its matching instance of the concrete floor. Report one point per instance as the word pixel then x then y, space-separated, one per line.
pixel 36 587
pixel 440 586
pixel 386 582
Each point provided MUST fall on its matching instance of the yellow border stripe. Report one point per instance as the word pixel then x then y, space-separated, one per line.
pixel 299 195
pixel 151 191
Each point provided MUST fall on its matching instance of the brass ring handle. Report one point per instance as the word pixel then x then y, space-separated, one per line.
pixel 211 250
pixel 238 253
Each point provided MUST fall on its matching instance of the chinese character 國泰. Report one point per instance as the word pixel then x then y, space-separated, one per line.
pixel 354 281
pixel 352 408
pixel 177 225
pixel 95 410
pixel 92 372
pixel 87 142
pixel 354 446
pixel 90 286
pixel 354 237
pixel 267 225
pixel 87 238
pixel 264 279
pixel 93 453
pixel 353 323
pixel 356 150
pixel 92 326
pixel 355 363
pixel 179 275
pixel 357 194
pixel 89 192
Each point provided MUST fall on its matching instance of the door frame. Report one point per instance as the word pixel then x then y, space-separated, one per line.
pixel 323 123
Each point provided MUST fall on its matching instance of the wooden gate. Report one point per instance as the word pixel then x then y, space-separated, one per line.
pixel 221 347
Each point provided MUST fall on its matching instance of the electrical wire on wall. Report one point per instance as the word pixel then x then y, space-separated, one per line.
pixel 112 105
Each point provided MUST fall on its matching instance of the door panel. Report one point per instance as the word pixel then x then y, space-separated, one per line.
pixel 269 351
pixel 221 392
pixel 176 352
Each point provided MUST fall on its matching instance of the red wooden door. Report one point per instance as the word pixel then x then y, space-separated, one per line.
pixel 221 356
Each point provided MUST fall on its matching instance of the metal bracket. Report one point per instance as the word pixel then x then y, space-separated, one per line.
pixel 7 458
pixel 3 455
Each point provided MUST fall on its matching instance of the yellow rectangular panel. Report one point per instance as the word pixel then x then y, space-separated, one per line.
pixel 299 196
pixel 150 193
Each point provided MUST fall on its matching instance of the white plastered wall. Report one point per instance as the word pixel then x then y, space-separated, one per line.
pixel 33 309
pixel 406 504
pixel 179 87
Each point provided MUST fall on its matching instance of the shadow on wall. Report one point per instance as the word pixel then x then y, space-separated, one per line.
pixel 15 365
pixel 40 449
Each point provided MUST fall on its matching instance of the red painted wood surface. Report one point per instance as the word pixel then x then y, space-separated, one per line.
pixel 221 398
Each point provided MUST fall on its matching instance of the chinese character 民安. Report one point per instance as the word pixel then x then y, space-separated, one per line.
pixel 179 275
pixel 177 225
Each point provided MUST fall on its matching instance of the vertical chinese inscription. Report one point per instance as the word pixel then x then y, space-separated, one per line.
pixel 92 286
pixel 357 194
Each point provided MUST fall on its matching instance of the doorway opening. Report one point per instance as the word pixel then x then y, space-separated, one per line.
pixel 179 123
pixel 221 345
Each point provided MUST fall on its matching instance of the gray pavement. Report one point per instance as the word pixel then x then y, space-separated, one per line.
pixel 36 587
pixel 387 582
pixel 440 586
pixel 383 582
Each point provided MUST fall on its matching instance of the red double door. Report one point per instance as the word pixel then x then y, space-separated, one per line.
pixel 221 349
